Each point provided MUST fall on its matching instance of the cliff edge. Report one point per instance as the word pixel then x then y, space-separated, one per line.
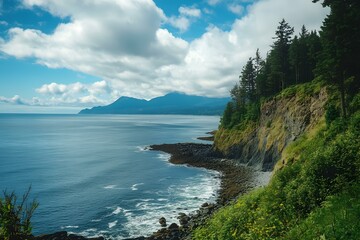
pixel 283 119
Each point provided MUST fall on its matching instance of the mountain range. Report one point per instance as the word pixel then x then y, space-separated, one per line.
pixel 172 103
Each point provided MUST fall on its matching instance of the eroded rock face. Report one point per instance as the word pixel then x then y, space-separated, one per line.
pixel 63 235
pixel 282 121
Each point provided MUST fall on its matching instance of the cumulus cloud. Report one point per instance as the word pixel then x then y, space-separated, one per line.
pixel 213 2
pixel 14 100
pixel 190 11
pixel 236 8
pixel 186 17
pixel 125 44
pixel 76 93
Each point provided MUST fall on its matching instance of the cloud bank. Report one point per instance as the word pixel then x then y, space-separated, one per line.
pixel 125 44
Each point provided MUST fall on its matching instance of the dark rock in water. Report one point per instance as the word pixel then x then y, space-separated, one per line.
pixel 204 205
pixel 183 219
pixel 53 236
pixel 63 235
pixel 137 238
pixel 162 222
pixel 173 226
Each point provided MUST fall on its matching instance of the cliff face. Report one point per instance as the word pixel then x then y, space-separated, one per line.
pixel 283 119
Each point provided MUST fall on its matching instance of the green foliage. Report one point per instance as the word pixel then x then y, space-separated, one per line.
pixel 355 103
pixel 225 137
pixel 340 38
pixel 302 90
pixel 289 61
pixel 331 114
pixel 314 195
pixel 226 118
pixel 15 217
pixel 321 182
pixel 337 218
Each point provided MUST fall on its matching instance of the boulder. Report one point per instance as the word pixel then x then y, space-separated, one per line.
pixel 162 222
pixel 173 226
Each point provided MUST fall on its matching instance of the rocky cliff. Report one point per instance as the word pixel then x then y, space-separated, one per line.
pixel 283 119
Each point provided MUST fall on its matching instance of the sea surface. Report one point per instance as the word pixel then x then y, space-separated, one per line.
pixel 93 175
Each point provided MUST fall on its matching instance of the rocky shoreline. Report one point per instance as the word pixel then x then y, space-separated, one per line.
pixel 235 180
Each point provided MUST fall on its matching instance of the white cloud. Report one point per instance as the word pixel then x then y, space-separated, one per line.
pixel 236 8
pixel 75 93
pixel 190 11
pixel 52 88
pixel 186 17
pixel 182 23
pixel 14 100
pixel 213 2
pixel 124 43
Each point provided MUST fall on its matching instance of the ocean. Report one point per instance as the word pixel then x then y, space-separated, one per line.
pixel 93 174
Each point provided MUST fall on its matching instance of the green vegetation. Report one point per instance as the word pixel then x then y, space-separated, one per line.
pixel 289 62
pixel 314 192
pixel 15 217
pixel 292 60
pixel 319 188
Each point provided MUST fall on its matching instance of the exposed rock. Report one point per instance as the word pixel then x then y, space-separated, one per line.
pixel 204 205
pixel 183 219
pixel 162 222
pixel 63 235
pixel 173 226
pixel 54 236
pixel 282 121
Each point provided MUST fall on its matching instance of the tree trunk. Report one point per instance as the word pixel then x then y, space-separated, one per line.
pixel 342 96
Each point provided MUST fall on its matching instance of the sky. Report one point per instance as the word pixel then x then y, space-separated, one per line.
pixel 62 56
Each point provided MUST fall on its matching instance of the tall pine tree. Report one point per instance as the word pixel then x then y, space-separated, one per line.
pixel 340 38
pixel 279 56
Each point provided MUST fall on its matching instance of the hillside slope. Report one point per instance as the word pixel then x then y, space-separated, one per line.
pixel 283 119
pixel 315 187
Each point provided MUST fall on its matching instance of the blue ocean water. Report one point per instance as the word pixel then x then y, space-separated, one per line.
pixel 92 175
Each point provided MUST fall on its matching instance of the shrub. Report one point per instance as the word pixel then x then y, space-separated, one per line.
pixel 320 187
pixel 15 217
pixel 338 218
pixel 332 113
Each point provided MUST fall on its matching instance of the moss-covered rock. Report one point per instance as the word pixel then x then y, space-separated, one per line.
pixel 283 119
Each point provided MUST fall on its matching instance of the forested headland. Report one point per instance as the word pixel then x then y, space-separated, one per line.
pixel 315 188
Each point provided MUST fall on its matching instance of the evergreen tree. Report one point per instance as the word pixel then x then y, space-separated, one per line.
pixel 340 38
pixel 314 50
pixel 302 55
pixel 260 75
pixel 294 57
pixel 247 81
pixel 227 116
pixel 280 55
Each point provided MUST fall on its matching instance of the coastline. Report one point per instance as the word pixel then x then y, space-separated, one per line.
pixel 235 180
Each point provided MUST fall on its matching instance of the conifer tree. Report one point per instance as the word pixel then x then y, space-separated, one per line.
pixel 340 37
pixel 280 55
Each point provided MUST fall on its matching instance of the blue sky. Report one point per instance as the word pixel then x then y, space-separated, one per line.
pixel 61 56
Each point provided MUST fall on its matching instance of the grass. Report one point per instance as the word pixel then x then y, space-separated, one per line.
pixel 313 196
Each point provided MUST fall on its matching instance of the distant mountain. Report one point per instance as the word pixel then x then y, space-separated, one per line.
pixel 172 103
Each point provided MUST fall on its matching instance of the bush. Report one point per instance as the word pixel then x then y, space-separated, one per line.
pixel 312 189
pixel 15 217
pixel 332 113
pixel 338 218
